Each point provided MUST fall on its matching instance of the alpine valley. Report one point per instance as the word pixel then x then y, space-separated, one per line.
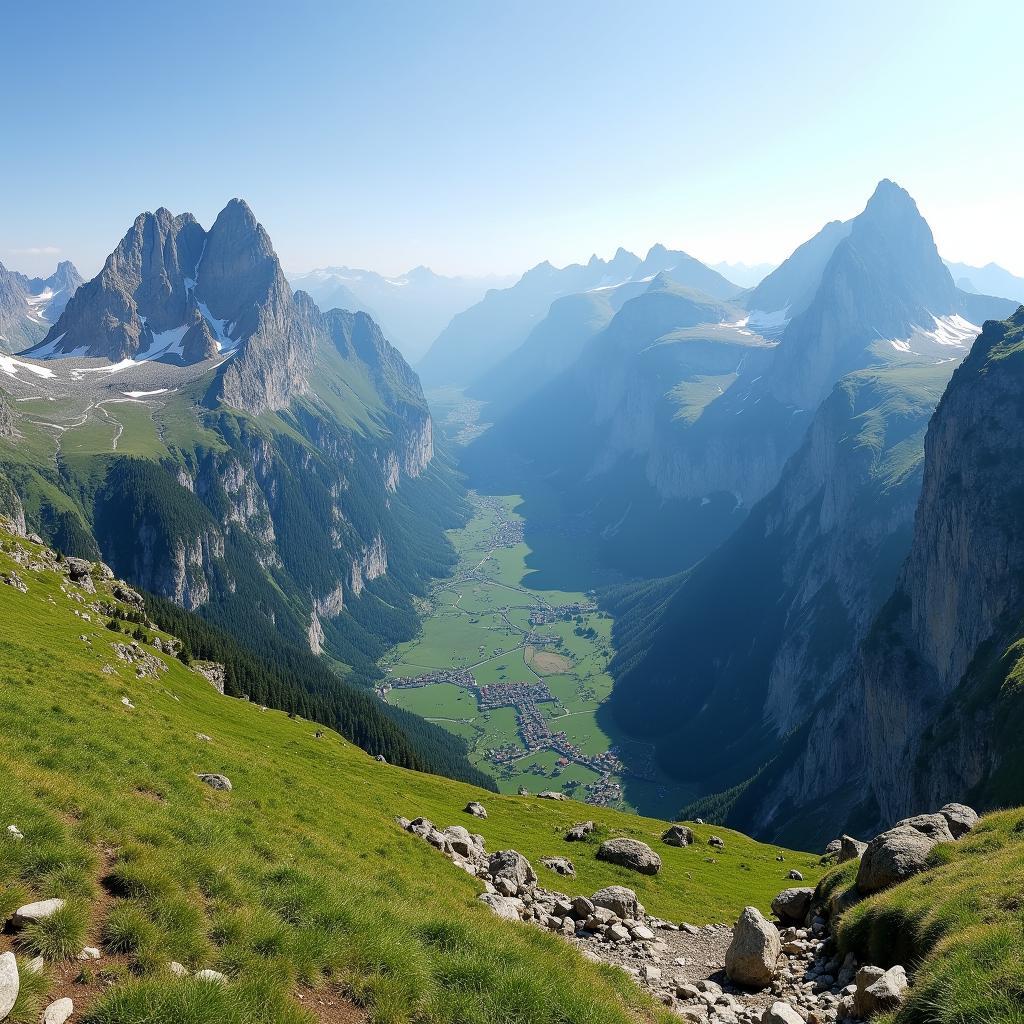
pixel 662 582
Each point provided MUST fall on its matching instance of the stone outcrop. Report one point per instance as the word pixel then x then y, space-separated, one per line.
pixel 753 954
pixel 630 853
pixel 677 835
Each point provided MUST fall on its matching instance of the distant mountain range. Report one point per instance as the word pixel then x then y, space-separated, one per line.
pixel 29 305
pixel 478 339
pixel 744 274
pixel 990 279
pixel 412 309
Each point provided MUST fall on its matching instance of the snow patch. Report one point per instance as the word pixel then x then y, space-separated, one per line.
pixel 11 366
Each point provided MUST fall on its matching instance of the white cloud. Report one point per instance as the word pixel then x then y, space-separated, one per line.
pixel 37 250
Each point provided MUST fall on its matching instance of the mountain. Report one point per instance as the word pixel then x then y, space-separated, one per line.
pixel 679 415
pixel 480 337
pixel 746 275
pixel 224 445
pixel 719 666
pixel 990 279
pixel 933 701
pixel 412 308
pixel 28 305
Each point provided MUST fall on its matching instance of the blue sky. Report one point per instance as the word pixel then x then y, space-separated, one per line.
pixel 482 137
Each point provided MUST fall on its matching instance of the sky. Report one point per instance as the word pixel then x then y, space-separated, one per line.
pixel 483 137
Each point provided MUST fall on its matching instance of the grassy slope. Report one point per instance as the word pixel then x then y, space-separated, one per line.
pixel 299 877
pixel 961 925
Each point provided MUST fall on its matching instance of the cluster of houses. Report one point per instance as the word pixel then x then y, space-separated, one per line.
pixel 457 676
pixel 512 694
pixel 540 616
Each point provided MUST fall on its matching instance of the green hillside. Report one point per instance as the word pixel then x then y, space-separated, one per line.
pixel 297 884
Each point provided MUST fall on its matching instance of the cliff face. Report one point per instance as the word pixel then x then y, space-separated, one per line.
pixel 766 626
pixel 920 713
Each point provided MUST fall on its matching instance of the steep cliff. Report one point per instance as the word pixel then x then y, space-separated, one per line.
pixel 719 672
pixel 930 706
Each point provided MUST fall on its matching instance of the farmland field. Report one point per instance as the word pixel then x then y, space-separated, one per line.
pixel 486 627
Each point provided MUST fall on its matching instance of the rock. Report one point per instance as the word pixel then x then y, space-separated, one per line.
pixel 630 853
pixel 677 835
pixel 10 983
pixel 619 900
pixel 203 738
pixel 752 956
pixel 888 992
pixel 476 809
pixel 58 1011
pixel 934 826
pixel 523 791
pixel 77 569
pixel 89 953
pixel 641 933
pixel 960 818
pixel 833 850
pixel 37 911
pixel 561 865
pixel 650 974
pixel 892 857
pixel 513 866
pixel 850 848
pixel 781 1013
pixel 717 841
pixel 550 794
pixel 212 976
pixel 795 875
pixel 791 905
pixel 503 906
pixel 582 908
pixel 178 970
pixel 618 933
pixel 215 781
pixel 381 759
pixel 460 840
pixel 861 1002
pixel 579 832
pixel 693 1015
pixel 15 833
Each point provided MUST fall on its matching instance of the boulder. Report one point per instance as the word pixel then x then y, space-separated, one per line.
pixel 503 906
pixel 717 842
pixel 579 832
pixel 178 970
pixel 619 900
pixel 752 957
pixel 476 809
pixel 513 866
pixel 934 826
pixel 630 853
pixel 892 857
pixel 677 835
pixel 460 840
pixel 89 953
pixel 561 865
pixel 582 908
pixel 795 875
pixel 551 794
pixel 833 849
pixel 10 983
pixel 888 992
pixel 58 1011
pixel 960 818
pixel 37 911
pixel 850 848
pixel 865 1000
pixel 215 781
pixel 791 905
pixel 618 933
pixel 780 1013
pixel 77 569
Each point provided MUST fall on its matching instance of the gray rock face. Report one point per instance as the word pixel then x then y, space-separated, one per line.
pixel 560 865
pixel 791 905
pixel 10 983
pixel 38 911
pixel 630 853
pixel 215 781
pixel 677 835
pixel 28 305
pixel 752 956
pixel 850 848
pixel 505 907
pixel 578 833
pixel 960 818
pixel 892 857
pixel 879 991
pixel 619 900
pixel 8 429
pixel 476 809
pixel 512 865
pixel 551 794
pixel 934 826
